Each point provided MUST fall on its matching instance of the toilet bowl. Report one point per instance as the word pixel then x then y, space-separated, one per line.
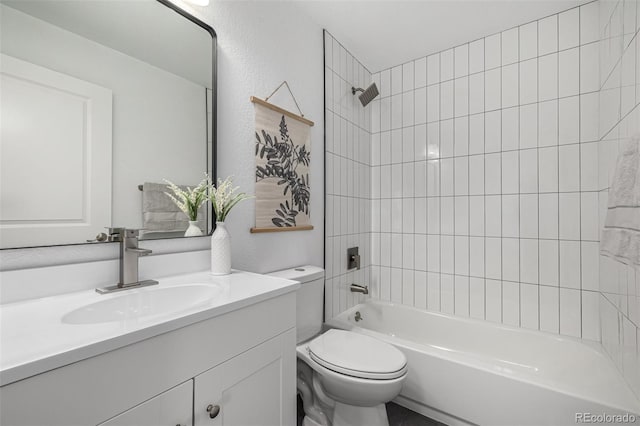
pixel 344 378
pixel 352 377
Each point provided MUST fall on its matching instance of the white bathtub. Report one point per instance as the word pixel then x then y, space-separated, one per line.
pixel 465 371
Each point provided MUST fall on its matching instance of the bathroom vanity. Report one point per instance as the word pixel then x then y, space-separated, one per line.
pixel 193 350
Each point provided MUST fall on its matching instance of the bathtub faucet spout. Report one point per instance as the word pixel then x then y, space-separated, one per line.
pixel 355 288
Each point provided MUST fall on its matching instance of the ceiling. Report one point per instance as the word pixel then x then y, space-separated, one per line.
pixel 385 33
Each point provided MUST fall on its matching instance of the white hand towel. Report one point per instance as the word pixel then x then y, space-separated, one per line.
pixel 621 235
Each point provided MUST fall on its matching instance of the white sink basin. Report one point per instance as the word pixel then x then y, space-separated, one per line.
pixel 143 303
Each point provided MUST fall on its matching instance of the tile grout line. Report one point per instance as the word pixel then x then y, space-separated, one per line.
pixel 538 175
pixel 439 186
pixel 484 183
pixel 558 172
pixel 520 176
pixel 453 107
pixel 468 183
pixel 580 147
pixel 501 189
pixel 401 67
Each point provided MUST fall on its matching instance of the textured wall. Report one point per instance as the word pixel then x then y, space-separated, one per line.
pixel 619 120
pixel 260 44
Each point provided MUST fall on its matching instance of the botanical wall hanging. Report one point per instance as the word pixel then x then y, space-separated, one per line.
pixel 283 156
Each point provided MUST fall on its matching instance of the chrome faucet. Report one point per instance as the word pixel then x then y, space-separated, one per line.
pixel 129 254
pixel 355 288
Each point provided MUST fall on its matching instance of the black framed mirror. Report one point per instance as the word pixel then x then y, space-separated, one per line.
pixel 100 100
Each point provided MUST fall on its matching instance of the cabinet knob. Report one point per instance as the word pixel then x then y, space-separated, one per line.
pixel 213 410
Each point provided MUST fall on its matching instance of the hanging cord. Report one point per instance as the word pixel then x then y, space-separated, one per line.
pixel 284 83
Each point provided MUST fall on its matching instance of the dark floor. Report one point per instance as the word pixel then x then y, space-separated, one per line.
pixel 398 416
pixel 300 411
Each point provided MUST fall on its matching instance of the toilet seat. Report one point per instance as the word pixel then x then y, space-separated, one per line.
pixel 357 355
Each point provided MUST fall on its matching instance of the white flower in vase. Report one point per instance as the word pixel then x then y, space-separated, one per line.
pixel 189 201
pixel 224 198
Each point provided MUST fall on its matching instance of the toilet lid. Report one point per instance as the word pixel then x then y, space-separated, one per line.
pixel 357 355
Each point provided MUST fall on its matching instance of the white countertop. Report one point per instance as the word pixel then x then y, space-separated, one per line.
pixel 34 339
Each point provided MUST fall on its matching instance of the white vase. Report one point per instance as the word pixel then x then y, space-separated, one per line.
pixel 193 230
pixel 220 250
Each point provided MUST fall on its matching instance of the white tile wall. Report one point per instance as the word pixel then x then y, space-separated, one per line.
pixel 619 77
pixel 501 200
pixel 485 185
pixel 350 150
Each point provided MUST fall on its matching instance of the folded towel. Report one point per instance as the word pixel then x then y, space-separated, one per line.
pixel 160 213
pixel 621 235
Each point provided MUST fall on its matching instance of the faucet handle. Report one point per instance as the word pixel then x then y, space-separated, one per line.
pixel 132 233
pixel 353 258
pixel 121 232
pixel 125 232
pixel 115 233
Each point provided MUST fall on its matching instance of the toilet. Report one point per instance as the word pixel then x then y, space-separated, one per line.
pixel 344 378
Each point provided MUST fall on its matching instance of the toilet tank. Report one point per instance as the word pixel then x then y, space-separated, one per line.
pixel 309 298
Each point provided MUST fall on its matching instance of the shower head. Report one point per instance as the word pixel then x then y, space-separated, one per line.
pixel 367 94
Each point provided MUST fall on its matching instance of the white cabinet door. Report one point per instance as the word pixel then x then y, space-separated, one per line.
pixel 255 388
pixel 170 408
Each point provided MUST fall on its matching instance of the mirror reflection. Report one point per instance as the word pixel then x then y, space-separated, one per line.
pixel 101 102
